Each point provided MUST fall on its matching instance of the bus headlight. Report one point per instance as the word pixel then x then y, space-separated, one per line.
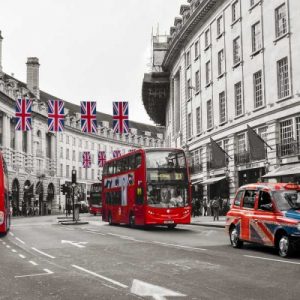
pixel 150 212
pixel 1 217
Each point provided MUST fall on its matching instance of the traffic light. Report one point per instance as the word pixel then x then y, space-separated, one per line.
pixel 73 176
pixel 62 188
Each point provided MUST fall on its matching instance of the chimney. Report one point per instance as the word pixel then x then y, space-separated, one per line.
pixel 33 75
pixel 1 38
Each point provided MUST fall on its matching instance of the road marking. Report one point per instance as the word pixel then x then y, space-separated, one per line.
pixel 7 246
pixel 14 251
pixel 33 262
pixel 100 276
pixel 179 246
pixel 272 259
pixel 20 240
pixel 145 289
pixel 95 231
pixel 11 234
pixel 22 256
pixel 43 253
pixel 4 243
pixel 47 272
pixel 76 244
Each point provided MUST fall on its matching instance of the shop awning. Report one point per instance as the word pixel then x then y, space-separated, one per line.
pixel 196 181
pixel 284 171
pixel 213 180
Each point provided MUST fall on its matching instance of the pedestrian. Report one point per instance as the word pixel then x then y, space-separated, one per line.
pixel 215 207
pixel 197 207
pixel 204 206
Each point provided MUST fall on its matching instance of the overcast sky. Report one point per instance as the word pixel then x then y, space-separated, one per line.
pixel 95 50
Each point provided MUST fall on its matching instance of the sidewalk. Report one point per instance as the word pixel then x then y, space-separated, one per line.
pixel 209 221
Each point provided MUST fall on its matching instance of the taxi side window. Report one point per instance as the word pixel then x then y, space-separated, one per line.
pixel 249 199
pixel 238 198
pixel 264 200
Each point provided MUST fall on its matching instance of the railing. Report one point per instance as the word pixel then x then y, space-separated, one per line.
pixel 288 149
pixel 242 158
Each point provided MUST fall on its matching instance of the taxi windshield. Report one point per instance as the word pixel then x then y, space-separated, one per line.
pixel 286 200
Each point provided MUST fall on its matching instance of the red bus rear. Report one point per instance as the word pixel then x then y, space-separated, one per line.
pixel 147 187
pixel 95 201
pixel 4 198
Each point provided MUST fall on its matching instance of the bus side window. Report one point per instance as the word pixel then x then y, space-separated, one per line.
pixel 138 160
pixel 131 162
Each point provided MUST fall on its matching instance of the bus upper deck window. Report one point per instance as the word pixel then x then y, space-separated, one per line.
pixel 138 160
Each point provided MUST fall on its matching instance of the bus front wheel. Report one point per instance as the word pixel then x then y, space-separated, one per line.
pixel 131 220
pixel 110 222
pixel 172 226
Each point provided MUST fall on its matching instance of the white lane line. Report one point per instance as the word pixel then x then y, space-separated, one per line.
pixel 43 253
pixel 179 246
pixel 22 256
pixel 95 232
pixel 7 246
pixel 11 234
pixel 4 243
pixel 20 240
pixel 48 272
pixel 272 259
pixel 100 276
pixel 33 262
pixel 14 251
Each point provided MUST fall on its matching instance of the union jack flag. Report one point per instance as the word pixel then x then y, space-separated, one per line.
pixel 88 117
pixel 23 114
pixel 56 116
pixel 116 153
pixel 86 159
pixel 120 117
pixel 101 158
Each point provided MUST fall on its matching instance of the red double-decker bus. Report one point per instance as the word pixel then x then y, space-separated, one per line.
pixel 95 201
pixel 147 187
pixel 4 198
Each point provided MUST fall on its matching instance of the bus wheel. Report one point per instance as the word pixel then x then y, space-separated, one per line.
pixel 110 219
pixel 172 226
pixel 95 214
pixel 131 220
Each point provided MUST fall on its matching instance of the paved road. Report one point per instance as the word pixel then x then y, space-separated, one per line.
pixel 40 259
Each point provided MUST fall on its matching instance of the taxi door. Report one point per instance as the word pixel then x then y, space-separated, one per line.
pixel 264 219
pixel 248 205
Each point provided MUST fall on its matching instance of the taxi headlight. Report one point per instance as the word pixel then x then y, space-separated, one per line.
pixel 298 226
pixel 1 217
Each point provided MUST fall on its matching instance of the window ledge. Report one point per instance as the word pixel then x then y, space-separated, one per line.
pixel 284 98
pixel 237 65
pixel 208 84
pixel 197 92
pixel 207 47
pixel 254 5
pixel 196 58
pixel 235 21
pixel 239 116
pixel 221 75
pixel 198 134
pixel 190 139
pixel 220 35
pixel 187 67
pixel 210 129
pixel 281 37
pixel 223 123
pixel 261 50
pixel 259 108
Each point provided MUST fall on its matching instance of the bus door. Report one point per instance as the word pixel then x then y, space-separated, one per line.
pixel 139 204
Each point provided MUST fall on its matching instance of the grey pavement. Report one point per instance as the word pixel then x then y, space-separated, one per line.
pixel 208 221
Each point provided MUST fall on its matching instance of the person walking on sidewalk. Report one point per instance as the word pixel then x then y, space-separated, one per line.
pixel 204 206
pixel 215 207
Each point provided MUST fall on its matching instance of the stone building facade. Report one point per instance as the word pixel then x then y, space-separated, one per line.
pixel 229 64
pixel 39 161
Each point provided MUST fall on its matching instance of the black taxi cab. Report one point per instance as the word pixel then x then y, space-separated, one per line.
pixel 268 214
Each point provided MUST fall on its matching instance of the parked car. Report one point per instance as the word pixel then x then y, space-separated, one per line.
pixel 267 214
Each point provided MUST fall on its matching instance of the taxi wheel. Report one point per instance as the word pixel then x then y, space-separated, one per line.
pixel 234 238
pixel 285 248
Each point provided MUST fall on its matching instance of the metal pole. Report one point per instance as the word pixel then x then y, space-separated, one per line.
pixel 73 189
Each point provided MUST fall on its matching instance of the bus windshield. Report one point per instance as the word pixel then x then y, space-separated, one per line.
pixel 167 182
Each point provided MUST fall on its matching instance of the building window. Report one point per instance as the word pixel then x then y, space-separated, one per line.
pixel 208 72
pixel 241 143
pixel 1 129
pixel 221 62
pixel 286 137
pixel 188 59
pixel 68 139
pixel 239 109
pixel 236 50
pixel 68 154
pixel 258 92
pixel 256 37
pixel 197 81
pixel 235 11
pixel 73 156
pixel 283 78
pixel 196 49
pixel 189 89
pixel 219 25
pixel 24 144
pixel 207 38
pixel 61 170
pixel 12 134
pixel 209 114
pixel 80 172
pixel 189 125
pixel 79 156
pixel 80 143
pixel 222 107
pixel 61 155
pixel 280 21
pixel 93 174
pixel 61 137
pixel 74 141
pixel 298 131
pixel 198 119
pixel 67 171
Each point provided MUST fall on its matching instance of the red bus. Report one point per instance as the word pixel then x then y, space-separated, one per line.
pixel 147 187
pixel 95 201
pixel 4 198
